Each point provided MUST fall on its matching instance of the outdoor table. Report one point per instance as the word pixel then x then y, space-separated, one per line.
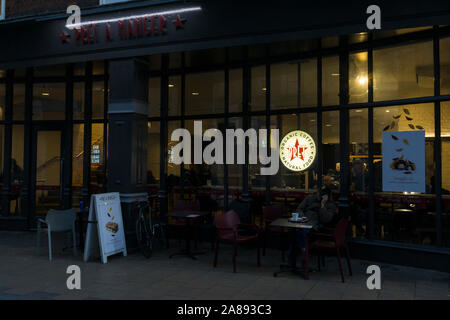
pixel 187 216
pixel 292 227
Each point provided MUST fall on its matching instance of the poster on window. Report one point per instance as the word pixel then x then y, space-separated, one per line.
pixel 404 161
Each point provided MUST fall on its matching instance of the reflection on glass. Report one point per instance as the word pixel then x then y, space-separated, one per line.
pixel 403 72
pixel 77 163
pixel 78 100
pixel 19 102
pixel 48 171
pixel 359 153
pixel 445 65
pixel 153 149
pixel 98 178
pixel 287 179
pixel 49 101
pixel 308 83
pixel 255 180
pixel 330 148
pixel 258 88
pixel 330 81
pixel 235 87
pixel 404 217
pixel 205 93
pixel 234 170
pixel 445 140
pixel 98 68
pixel 358 77
pixel 284 89
pixel 154 96
pixel 98 100
pixel 174 96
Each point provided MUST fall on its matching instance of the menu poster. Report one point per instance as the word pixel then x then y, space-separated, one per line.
pixel 404 161
pixel 105 229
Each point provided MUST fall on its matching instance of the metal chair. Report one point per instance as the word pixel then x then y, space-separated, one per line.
pixel 57 221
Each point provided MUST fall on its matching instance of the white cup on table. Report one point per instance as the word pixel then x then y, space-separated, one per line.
pixel 295 216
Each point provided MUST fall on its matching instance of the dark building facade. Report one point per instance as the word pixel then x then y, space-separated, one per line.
pixel 91 109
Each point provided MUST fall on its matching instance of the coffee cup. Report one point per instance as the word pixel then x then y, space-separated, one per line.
pixel 295 216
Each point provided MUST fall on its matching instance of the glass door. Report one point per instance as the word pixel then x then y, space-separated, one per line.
pixel 47 169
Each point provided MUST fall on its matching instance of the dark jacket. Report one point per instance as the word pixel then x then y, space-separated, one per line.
pixel 310 207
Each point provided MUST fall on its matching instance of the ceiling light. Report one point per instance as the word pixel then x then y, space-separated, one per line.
pixel 195 93
pixel 335 74
pixel 264 89
pixel 45 93
pixel 388 111
pixel 171 85
pixel 328 125
pixel 359 110
pixel 363 80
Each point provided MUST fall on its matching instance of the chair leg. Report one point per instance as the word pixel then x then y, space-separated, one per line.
pixel 307 261
pixel 216 253
pixel 348 261
pixel 49 244
pixel 234 256
pixel 264 242
pixel 338 254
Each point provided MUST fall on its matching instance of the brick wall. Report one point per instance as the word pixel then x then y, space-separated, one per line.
pixel 19 8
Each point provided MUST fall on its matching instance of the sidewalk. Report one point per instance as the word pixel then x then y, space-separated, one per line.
pixel 23 275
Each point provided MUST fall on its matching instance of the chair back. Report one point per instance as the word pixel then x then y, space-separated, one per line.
pixel 61 220
pixel 186 205
pixel 227 224
pixel 242 209
pixel 340 231
pixel 272 212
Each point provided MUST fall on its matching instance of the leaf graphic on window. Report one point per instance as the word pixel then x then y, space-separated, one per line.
pixel 392 124
pixel 408 118
pixel 394 137
pixel 411 126
pixel 419 127
pixel 406 142
pixel 397 117
pixel 406 111
pixel 386 128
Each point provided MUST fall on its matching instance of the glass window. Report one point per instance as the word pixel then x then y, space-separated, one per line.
pixel 155 62
pixel 173 170
pixel 403 72
pixel 358 77
pixel 358 37
pixel 19 102
pixel 2 74
pixel 98 178
pixel 78 100
pixel 392 33
pixel 2 101
pixel 445 65
pixel 330 42
pixel 234 170
pixel 205 93
pixel 445 140
pixel 258 88
pixel 50 71
pixel 154 96
pixel 359 153
pixel 235 87
pixel 153 149
pixel 284 90
pixel 286 179
pixel 98 68
pixel 256 181
pixel 330 81
pixel 79 69
pixel 405 217
pixel 17 174
pixel 98 100
pixel 175 96
pixel 308 83
pixel 77 163
pixel 2 150
pixel 330 148
pixel 49 101
pixel 175 60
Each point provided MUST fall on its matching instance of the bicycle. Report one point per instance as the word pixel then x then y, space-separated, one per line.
pixel 145 229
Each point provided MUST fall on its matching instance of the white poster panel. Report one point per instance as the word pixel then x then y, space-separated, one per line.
pixel 105 212
pixel 404 161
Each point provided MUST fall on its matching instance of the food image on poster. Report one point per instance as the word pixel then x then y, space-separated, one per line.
pixel 110 225
pixel 404 161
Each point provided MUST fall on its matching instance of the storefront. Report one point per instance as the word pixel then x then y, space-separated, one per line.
pixel 92 109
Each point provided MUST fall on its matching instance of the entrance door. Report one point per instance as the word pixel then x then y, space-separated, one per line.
pixel 47 168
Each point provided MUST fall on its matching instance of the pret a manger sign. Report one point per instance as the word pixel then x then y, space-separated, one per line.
pixel 297 151
pixel 156 23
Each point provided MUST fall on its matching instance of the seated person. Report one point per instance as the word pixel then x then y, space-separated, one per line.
pixel 320 209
